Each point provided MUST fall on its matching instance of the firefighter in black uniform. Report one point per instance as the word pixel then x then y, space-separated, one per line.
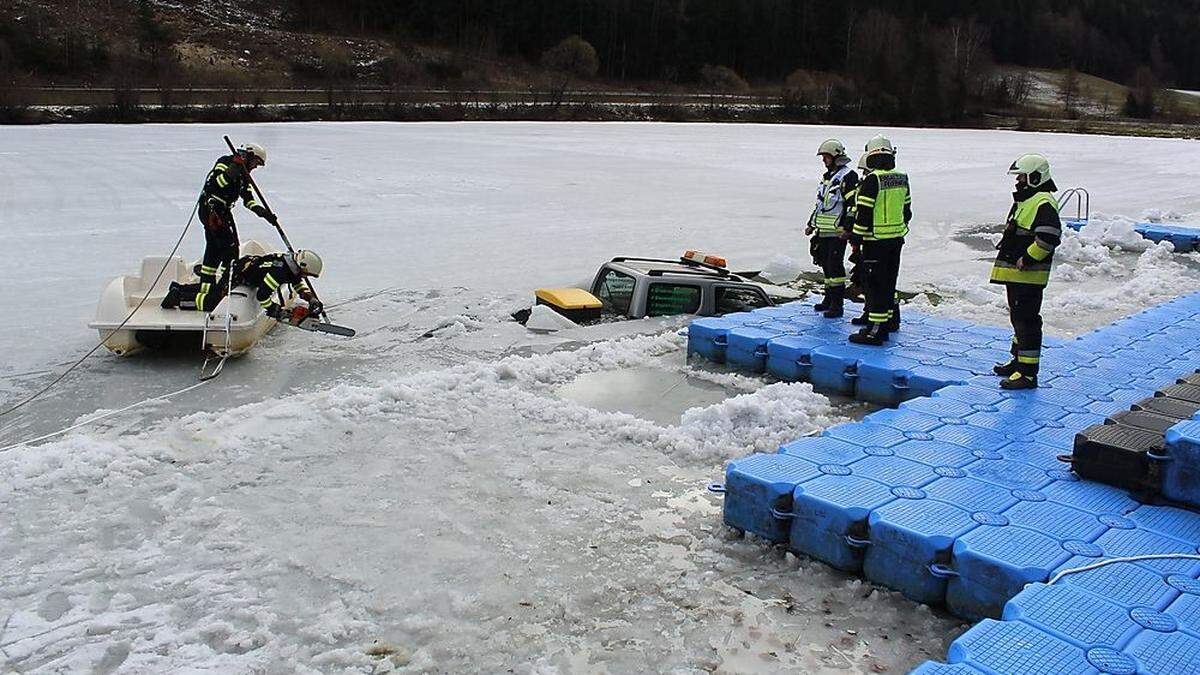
pixel 226 183
pixel 264 273
pixel 1023 261
pixel 854 281
pixel 884 209
pixel 831 222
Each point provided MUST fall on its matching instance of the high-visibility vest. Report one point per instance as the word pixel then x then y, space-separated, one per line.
pixel 831 204
pixel 1020 240
pixel 888 206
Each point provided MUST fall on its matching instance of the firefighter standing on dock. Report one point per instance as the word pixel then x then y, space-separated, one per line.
pixel 831 222
pixel 854 280
pixel 884 209
pixel 228 181
pixel 1023 265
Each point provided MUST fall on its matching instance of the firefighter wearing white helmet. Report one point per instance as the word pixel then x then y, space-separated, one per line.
pixel 227 182
pixel 1023 261
pixel 254 150
pixel 308 263
pixel 880 145
pixel 830 223
pixel 265 275
pixel 884 209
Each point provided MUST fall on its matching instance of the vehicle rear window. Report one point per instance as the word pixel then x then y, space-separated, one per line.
pixel 615 290
pixel 666 299
pixel 732 299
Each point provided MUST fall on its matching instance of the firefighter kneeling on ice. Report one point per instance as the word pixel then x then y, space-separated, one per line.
pixel 1023 265
pixel 265 274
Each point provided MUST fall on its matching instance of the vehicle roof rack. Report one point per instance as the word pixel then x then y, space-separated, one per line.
pixel 697 273
pixel 629 258
pixel 677 261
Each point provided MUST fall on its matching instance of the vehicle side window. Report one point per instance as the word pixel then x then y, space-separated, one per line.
pixel 666 299
pixel 732 299
pixel 615 290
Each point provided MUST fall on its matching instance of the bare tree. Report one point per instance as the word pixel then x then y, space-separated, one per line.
pixel 723 79
pixel 1142 100
pixel 800 86
pixel 574 56
pixel 1069 93
pixel 154 39
pixel 12 105
pixel 337 70
pixel 880 53
pixel 1022 87
pixel 571 58
pixel 970 54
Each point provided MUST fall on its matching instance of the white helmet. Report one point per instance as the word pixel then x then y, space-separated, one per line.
pixel 832 147
pixel 1035 167
pixel 255 150
pixel 880 145
pixel 308 262
pixel 862 162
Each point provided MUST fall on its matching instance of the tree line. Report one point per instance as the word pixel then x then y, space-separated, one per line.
pixel 902 60
pixel 768 39
pixel 917 59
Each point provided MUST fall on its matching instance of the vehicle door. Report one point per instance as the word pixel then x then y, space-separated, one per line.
pixel 615 290
pixel 667 298
pixel 731 299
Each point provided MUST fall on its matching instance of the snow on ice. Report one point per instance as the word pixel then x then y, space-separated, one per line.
pixel 421 498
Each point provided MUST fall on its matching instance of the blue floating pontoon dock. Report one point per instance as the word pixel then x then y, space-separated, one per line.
pixel 957 496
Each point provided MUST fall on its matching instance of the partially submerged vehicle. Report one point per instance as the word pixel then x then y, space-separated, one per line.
pixel 230 329
pixel 634 288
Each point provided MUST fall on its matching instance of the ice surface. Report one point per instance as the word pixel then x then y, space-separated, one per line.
pixel 649 393
pixel 419 498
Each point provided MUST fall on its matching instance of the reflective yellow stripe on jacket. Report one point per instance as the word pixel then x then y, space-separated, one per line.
pixel 1035 273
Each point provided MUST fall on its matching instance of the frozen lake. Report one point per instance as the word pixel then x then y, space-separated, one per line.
pixel 447 492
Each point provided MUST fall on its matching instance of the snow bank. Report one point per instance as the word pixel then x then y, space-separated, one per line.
pixel 1101 273
pixel 204 612
pixel 1112 232
pixel 756 421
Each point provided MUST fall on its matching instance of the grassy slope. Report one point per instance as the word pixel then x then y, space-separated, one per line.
pixel 1097 97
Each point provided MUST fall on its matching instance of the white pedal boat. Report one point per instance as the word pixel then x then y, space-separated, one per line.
pixel 231 329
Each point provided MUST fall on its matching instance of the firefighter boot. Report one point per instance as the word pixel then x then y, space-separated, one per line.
pixel 835 299
pixel 893 322
pixel 824 303
pixel 1019 381
pixel 171 300
pixel 874 335
pixel 1005 369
